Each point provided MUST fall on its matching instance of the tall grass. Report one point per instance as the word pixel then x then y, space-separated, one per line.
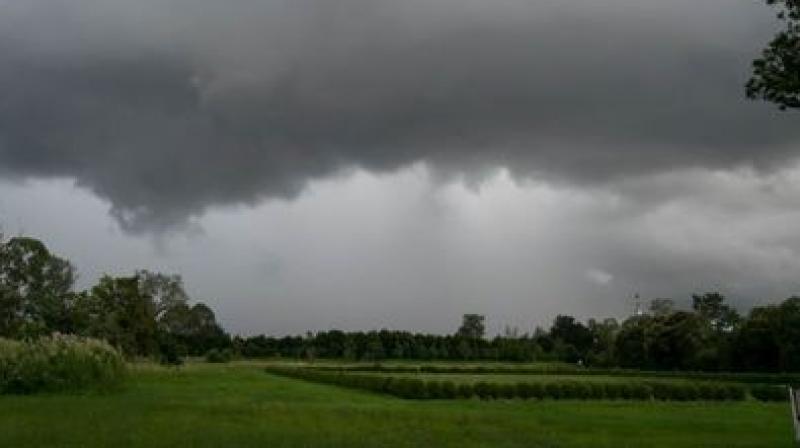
pixel 59 363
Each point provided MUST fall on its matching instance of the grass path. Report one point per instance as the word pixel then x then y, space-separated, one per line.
pixel 240 406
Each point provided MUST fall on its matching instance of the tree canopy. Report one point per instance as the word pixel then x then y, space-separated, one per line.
pixel 776 74
pixel 145 314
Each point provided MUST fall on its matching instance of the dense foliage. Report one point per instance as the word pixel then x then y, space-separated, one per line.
pixel 711 336
pixel 58 363
pixel 635 389
pixel 776 74
pixel 149 314
pixel 218 356
pixel 146 314
pixel 551 369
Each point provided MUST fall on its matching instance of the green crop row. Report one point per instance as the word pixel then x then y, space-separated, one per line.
pixel 415 388
pixel 550 369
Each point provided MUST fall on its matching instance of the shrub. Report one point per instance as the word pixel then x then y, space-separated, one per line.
pixel 537 391
pixel 640 391
pixel 568 390
pixel 505 390
pixel 59 363
pixel 769 393
pixel 552 390
pixel 219 356
pixel 434 389
pixel 597 391
pixel 583 391
pixel 417 389
pixel 465 390
pixel 737 392
pixel 524 391
pixel 449 390
pixel 482 390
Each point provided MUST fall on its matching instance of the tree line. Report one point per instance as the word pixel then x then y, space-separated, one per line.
pixel 711 336
pixel 144 314
pixel 150 314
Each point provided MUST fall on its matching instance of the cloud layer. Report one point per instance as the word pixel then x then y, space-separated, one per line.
pixel 165 108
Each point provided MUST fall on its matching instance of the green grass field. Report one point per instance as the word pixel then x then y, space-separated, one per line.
pixel 238 405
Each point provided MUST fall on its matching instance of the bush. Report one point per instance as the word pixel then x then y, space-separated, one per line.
pixel 769 393
pixel 536 390
pixel 465 390
pixel 524 391
pixel 449 390
pixel 482 390
pixel 598 392
pixel 414 388
pixel 434 389
pixel 552 390
pixel 737 392
pixel 59 363
pixel 219 356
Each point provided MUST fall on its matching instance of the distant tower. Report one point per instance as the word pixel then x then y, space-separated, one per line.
pixel 638 310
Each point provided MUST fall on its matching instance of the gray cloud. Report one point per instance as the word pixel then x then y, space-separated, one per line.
pixel 166 108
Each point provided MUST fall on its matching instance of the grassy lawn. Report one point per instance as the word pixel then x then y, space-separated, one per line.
pixel 238 405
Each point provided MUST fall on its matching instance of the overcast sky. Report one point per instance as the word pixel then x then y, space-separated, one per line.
pixel 360 164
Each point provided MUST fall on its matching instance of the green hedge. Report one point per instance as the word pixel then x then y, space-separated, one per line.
pixel 568 369
pixel 415 388
pixel 770 393
pixel 59 363
pixel 219 356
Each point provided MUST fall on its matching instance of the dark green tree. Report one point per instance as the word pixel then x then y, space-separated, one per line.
pixel 769 340
pixel 122 314
pixel 574 334
pixel 776 74
pixel 712 307
pixel 633 341
pixel 166 291
pixel 35 289
pixel 472 327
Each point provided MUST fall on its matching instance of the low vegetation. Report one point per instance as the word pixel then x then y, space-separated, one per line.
pixel 59 363
pixel 554 389
pixel 552 369
pixel 219 356
pixel 238 405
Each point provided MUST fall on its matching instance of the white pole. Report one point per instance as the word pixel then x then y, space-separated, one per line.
pixel 794 396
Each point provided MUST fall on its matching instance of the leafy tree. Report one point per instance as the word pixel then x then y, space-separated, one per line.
pixel 123 315
pixel 770 338
pixel 676 340
pixel 711 307
pixel 35 289
pixel 632 342
pixel 604 333
pixel 572 333
pixel 472 327
pixel 776 74
pixel 166 291
pixel 194 329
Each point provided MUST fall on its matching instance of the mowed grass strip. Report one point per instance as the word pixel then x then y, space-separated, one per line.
pixel 241 406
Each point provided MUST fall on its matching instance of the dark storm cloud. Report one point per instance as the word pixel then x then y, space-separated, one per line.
pixel 166 108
